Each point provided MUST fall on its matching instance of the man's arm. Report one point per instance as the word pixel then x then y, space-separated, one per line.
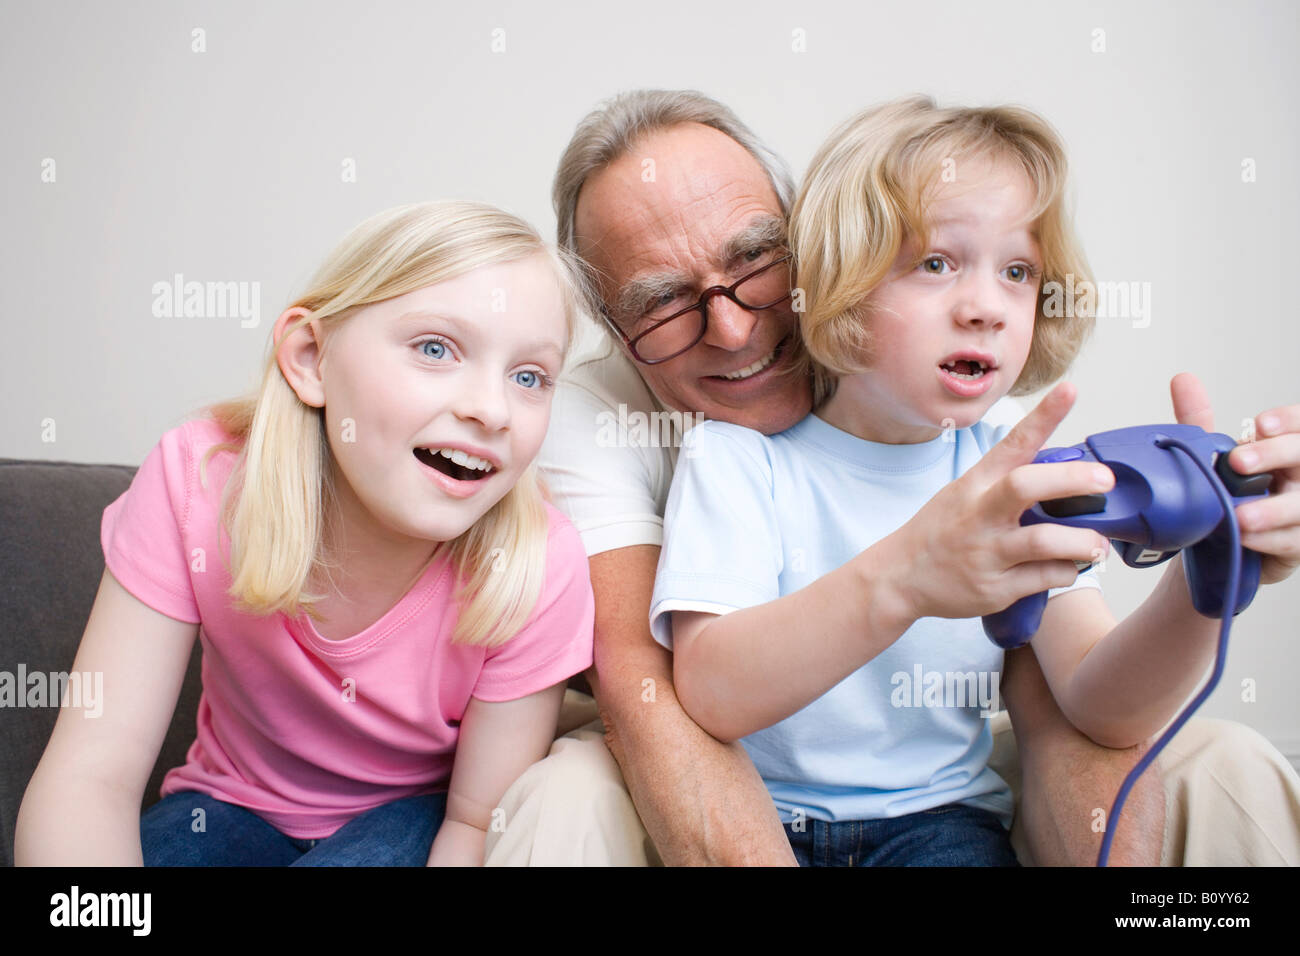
pixel 701 801
pixel 1066 778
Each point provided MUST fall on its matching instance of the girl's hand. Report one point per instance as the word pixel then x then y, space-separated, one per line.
pixel 965 554
pixel 1270 526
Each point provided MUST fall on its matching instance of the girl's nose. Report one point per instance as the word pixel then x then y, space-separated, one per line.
pixel 482 398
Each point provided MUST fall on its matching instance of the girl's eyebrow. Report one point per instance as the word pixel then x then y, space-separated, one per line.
pixel 534 345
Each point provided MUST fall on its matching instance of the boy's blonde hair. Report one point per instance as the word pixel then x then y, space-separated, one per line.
pixel 278 504
pixel 865 193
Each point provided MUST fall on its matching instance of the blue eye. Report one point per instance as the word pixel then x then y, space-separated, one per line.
pixel 533 379
pixel 428 346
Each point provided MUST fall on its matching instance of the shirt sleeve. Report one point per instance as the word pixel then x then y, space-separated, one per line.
pixel 556 642
pixel 722 545
pixel 142 532
pixel 602 482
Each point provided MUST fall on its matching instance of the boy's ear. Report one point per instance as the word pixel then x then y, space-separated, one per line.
pixel 299 354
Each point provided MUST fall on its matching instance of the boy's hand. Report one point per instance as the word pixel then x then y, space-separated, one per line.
pixel 965 554
pixel 1271 526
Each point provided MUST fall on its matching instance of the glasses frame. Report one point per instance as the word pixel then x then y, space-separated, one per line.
pixel 701 306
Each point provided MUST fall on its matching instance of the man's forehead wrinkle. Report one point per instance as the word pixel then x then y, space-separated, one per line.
pixel 677 228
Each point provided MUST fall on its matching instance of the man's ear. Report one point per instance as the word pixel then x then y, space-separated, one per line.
pixel 299 355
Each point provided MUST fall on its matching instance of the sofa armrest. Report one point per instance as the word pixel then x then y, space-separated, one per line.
pixel 50 566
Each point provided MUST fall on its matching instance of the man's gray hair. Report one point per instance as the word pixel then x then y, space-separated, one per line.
pixel 608 132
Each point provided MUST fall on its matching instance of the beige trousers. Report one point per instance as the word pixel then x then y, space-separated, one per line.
pixel 1231 800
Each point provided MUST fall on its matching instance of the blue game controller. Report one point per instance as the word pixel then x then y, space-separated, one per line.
pixel 1162 503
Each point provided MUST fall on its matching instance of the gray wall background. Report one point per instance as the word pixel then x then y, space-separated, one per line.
pixel 227 165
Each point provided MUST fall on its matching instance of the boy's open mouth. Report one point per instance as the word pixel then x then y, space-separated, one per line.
pixel 455 463
pixel 969 369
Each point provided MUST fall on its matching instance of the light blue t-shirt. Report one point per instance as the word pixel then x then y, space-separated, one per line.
pixel 752 518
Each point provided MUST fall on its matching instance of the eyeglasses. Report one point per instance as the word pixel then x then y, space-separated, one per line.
pixel 664 332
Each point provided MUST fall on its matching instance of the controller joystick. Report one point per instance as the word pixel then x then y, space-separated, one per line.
pixel 1161 504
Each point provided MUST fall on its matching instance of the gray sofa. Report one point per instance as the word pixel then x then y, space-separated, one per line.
pixel 50 566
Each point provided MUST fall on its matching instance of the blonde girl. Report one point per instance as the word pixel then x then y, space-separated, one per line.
pixel 387 605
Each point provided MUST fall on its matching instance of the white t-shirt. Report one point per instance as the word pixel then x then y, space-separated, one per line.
pixel 605 465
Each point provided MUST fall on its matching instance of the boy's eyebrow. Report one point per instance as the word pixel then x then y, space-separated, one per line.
pixel 539 345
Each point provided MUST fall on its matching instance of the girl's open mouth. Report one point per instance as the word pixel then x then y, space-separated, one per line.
pixel 455 464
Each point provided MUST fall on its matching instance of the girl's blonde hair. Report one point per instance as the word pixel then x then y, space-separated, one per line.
pixel 865 194
pixel 278 504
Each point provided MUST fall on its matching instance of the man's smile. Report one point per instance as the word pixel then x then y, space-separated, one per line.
pixel 762 364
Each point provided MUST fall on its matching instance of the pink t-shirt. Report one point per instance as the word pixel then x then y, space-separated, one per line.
pixel 308 732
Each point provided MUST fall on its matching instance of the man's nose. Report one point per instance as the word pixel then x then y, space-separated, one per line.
pixel 729 326
pixel 980 302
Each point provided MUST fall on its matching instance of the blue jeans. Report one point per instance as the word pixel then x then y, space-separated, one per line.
pixel 395 834
pixel 953 835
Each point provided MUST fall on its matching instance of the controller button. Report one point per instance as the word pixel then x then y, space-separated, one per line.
pixel 1241 486
pixel 1074 506
pixel 1053 455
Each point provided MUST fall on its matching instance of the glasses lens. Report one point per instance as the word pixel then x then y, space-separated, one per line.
pixel 657 336
pixel 670 337
pixel 768 287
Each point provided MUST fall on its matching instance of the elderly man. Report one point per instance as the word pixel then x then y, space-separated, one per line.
pixel 667 197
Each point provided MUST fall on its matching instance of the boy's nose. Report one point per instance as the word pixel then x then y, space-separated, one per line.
pixel 980 303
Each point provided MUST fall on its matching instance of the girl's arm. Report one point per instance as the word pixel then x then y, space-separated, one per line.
pixel 498 742
pixel 82 805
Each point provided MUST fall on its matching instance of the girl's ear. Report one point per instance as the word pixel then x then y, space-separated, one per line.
pixel 298 355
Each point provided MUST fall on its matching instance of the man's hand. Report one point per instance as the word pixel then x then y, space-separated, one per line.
pixel 1270 526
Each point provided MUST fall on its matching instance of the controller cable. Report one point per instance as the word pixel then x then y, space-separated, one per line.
pixel 1229 608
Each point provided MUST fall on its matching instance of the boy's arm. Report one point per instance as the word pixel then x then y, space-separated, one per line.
pixel 498 742
pixel 962 555
pixel 1065 778
pixel 740 672
pixel 1128 686
pixel 1120 683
